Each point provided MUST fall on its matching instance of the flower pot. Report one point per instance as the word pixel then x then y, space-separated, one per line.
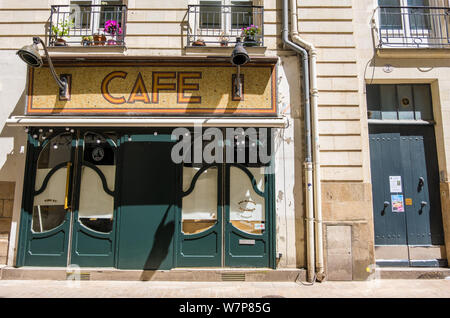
pixel 86 42
pixel 99 39
pixel 250 41
pixel 60 42
pixel 112 40
pixel 223 43
pixel 199 43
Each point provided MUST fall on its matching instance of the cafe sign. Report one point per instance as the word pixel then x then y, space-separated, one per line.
pixel 154 89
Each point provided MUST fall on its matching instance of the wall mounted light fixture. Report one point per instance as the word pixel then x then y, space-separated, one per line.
pixel 30 55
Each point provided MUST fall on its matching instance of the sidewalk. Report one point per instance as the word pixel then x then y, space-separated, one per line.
pixel 419 288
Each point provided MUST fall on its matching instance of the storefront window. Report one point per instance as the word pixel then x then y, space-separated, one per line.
pixel 96 208
pixel 247 208
pixel 51 183
pixel 199 207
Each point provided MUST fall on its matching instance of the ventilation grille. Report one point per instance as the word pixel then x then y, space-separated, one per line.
pixel 233 277
pixel 76 276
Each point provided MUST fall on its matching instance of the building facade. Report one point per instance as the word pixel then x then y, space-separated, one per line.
pixel 340 117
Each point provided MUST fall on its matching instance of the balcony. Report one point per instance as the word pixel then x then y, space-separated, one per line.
pixel 214 25
pixel 87 26
pixel 413 27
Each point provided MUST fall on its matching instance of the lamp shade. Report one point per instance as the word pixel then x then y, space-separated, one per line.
pixel 30 55
pixel 239 56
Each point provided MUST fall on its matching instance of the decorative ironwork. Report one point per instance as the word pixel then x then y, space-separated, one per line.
pixel 413 26
pixel 87 25
pixel 219 25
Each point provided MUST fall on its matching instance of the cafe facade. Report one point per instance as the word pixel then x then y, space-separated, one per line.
pixel 141 146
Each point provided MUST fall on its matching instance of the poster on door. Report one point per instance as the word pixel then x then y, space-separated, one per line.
pixel 395 184
pixel 397 203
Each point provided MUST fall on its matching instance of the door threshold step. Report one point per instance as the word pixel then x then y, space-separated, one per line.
pixel 176 274
pixel 412 273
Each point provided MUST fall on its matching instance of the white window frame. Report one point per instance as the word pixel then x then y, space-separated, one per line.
pixel 226 20
pixel 406 35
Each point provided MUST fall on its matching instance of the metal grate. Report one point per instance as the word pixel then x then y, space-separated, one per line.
pixel 233 277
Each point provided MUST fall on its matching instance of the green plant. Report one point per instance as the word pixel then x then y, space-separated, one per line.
pixel 251 30
pixel 62 29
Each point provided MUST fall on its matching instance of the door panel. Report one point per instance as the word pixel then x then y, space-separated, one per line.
pixel 147 203
pixel 390 227
pixel 408 152
pixel 200 232
pixel 246 236
pixel 93 225
pixel 46 219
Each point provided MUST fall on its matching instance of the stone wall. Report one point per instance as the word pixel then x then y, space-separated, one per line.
pixel 6 210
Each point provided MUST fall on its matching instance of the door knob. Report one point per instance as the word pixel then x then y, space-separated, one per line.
pixel 421 183
pixel 385 205
pixel 422 205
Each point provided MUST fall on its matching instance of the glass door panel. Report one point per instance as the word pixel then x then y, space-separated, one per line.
pixel 51 184
pixel 199 207
pixel 247 207
pixel 96 203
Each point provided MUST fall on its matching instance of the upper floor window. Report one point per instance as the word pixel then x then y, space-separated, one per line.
pixel 93 14
pixel 87 22
pixel 413 23
pixel 404 14
pixel 212 21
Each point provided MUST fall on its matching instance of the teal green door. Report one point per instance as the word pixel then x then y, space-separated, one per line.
pixel 147 202
pixel 68 205
pixel 225 217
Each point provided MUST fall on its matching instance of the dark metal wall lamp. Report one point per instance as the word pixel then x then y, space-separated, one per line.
pixel 30 55
pixel 239 57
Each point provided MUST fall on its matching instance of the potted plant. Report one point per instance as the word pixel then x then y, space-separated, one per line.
pixel 249 34
pixel 99 38
pixel 199 42
pixel 87 40
pixel 60 30
pixel 113 28
pixel 223 40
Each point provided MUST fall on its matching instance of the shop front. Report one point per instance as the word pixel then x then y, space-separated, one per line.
pixel 150 165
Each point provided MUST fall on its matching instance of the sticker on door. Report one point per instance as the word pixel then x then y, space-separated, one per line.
pixel 397 203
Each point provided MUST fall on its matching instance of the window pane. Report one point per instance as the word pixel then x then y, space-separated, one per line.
pixel 419 18
pixel 405 102
pixel 199 208
pixel 247 208
pixel 241 14
pixel 82 13
pixel 110 11
pixel 388 102
pixel 373 102
pixel 422 102
pixel 210 14
pixel 48 206
pixel 390 18
pixel 96 209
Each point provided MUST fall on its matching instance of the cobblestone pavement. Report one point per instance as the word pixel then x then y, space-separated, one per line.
pixel 136 289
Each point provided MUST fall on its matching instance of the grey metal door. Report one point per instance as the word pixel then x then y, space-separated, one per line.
pixel 406 202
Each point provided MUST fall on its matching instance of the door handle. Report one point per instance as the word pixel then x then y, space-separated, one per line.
pixel 421 184
pixel 66 197
pixel 422 205
pixel 385 205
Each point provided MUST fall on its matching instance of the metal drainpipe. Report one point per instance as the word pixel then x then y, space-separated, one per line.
pixel 315 133
pixel 308 165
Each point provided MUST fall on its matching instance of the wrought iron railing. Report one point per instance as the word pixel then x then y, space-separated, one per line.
pixel 414 27
pixel 220 25
pixel 87 25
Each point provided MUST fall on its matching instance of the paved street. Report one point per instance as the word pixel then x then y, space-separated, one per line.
pixel 136 289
